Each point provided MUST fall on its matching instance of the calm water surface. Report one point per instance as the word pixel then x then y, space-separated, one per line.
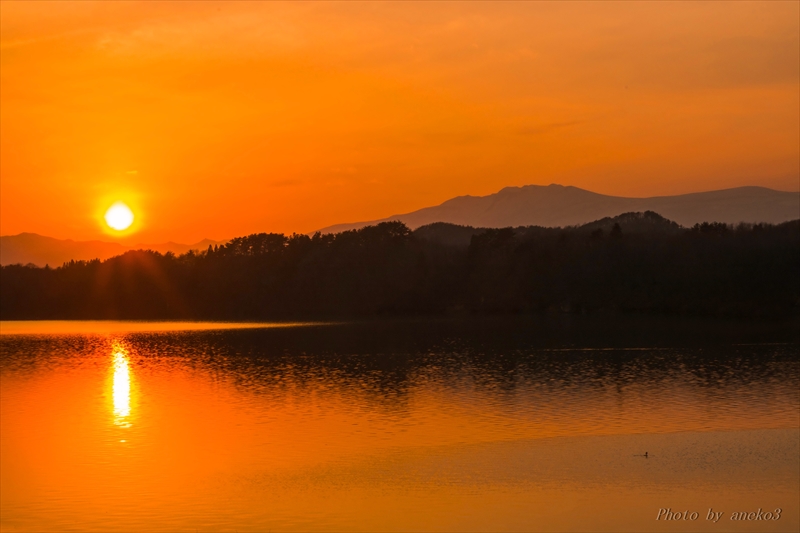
pixel 428 425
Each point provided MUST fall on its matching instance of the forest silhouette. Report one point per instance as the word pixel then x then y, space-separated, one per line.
pixel 639 263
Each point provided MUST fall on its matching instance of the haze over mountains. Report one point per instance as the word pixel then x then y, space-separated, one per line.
pixel 558 206
pixel 530 205
pixel 28 248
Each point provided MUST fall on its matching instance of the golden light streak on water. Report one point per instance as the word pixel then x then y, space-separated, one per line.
pixel 121 386
pixel 375 427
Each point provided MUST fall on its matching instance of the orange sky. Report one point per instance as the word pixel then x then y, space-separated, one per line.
pixel 222 119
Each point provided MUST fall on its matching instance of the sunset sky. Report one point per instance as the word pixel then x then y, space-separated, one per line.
pixel 222 119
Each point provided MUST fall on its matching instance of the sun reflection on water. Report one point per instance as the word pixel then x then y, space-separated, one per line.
pixel 121 386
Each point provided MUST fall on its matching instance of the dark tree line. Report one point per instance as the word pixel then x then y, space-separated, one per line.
pixel 637 262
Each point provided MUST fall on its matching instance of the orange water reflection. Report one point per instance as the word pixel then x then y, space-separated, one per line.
pixel 260 430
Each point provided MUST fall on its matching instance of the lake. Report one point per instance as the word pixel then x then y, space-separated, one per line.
pixel 436 425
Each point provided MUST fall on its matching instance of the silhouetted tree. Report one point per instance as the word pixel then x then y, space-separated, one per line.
pixel 658 267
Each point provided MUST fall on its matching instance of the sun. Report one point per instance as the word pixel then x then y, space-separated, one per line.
pixel 119 216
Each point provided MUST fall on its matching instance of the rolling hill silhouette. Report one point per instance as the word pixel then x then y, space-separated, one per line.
pixel 39 250
pixel 634 263
pixel 531 205
pixel 559 206
pixel 629 223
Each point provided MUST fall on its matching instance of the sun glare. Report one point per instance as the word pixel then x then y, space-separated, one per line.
pixel 119 216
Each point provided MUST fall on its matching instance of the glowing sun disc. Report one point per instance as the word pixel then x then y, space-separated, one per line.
pixel 119 216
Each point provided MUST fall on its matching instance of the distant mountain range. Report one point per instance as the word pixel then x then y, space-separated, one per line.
pixel 28 248
pixel 459 236
pixel 531 205
pixel 559 206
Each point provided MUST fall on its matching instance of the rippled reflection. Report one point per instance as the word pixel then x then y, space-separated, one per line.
pixel 404 425
pixel 121 385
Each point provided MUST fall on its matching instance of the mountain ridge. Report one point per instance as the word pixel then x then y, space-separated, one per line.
pixel 40 250
pixel 648 222
pixel 559 205
pixel 529 205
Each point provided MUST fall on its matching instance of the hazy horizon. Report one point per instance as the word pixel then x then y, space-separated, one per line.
pixel 134 241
